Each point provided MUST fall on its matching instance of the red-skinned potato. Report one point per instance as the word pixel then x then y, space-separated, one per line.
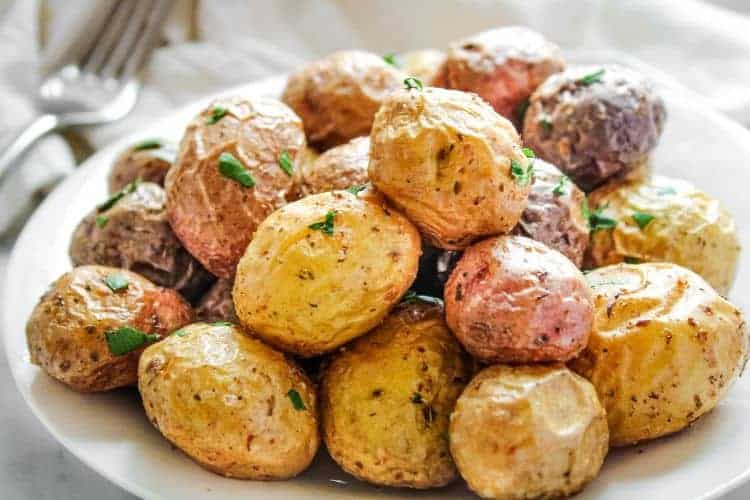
pixel 340 167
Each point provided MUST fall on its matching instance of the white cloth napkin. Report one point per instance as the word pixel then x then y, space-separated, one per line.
pixel 214 45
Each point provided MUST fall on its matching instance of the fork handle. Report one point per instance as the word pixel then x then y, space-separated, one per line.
pixel 10 158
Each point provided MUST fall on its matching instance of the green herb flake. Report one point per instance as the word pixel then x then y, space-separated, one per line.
pixel 217 113
pixel 148 144
pixel 412 83
pixel 521 175
pixel 529 153
pixel 232 168
pixel 355 190
pixel 391 59
pixel 112 200
pixel 545 124
pixel 296 399
pixel 327 225
pixel 665 191
pixel 596 219
pixel 632 260
pixel 101 221
pixel 181 332
pixel 127 339
pixel 591 78
pixel 221 323
pixel 411 297
pixel 561 188
pixel 642 219
pixel 521 110
pixel 116 282
pixel 286 163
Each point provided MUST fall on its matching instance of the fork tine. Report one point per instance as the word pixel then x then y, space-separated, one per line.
pixel 148 40
pixel 108 36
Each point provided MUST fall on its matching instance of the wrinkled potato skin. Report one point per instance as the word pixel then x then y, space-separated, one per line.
pixel 66 330
pixel 555 219
pixel 338 168
pixel 148 165
pixel 689 228
pixel 216 304
pixel 528 432
pixel 137 236
pixel 337 97
pixel 444 158
pixel 423 64
pixel 503 66
pixel 594 132
pixel 308 292
pixel 511 299
pixel 221 397
pixel 664 349
pixel 371 424
pixel 213 215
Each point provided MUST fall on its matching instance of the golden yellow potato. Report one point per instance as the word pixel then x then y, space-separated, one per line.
pixel 324 270
pixel 89 329
pixel 666 220
pixel 446 159
pixel 230 174
pixel 386 399
pixel 663 351
pixel 423 64
pixel 337 96
pixel 233 404
pixel 338 168
pixel 523 432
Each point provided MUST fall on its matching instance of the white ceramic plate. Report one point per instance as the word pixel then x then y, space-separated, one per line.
pixel 111 434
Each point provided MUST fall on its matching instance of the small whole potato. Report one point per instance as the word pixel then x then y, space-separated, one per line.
pixel 337 96
pixel 450 163
pixel 594 122
pixel 503 66
pixel 666 220
pixel 76 331
pixel 553 215
pixel 423 64
pixel 338 168
pixel 512 299
pixel 147 161
pixel 235 166
pixel 134 234
pixel 216 304
pixel 664 349
pixel 386 399
pixel 233 404
pixel 324 270
pixel 521 432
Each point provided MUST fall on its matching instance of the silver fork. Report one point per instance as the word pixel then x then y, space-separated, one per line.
pixel 99 83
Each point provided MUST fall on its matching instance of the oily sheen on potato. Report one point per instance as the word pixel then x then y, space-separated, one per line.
pixel 324 270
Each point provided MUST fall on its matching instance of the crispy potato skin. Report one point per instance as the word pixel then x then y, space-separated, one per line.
pixel 503 66
pixel 528 432
pixel 213 215
pixel 514 300
pixel 597 131
pixel 338 168
pixel 148 165
pixel 216 304
pixel 221 396
pixel 385 400
pixel 308 292
pixel 337 97
pixel 555 218
pixel 444 158
pixel 423 64
pixel 664 349
pixel 689 228
pixel 66 330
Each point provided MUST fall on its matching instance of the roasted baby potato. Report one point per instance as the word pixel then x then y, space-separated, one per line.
pixel 338 168
pixel 133 233
pixel 216 304
pixel 594 122
pixel 233 404
pixel 385 400
pixel 337 97
pixel 512 299
pixel 528 432
pixel 423 64
pixel 666 220
pixel 445 158
pixel 664 349
pixel 504 66
pixel 232 171
pixel 324 270
pixel 88 329
pixel 554 213
pixel 147 161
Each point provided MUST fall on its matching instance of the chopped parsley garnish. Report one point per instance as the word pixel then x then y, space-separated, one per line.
pixel 591 78
pixel 232 168
pixel 596 219
pixel 412 297
pixel 521 175
pixel 221 323
pixel 560 188
pixel 127 339
pixel 101 221
pixel 529 153
pixel 116 282
pixel 391 59
pixel 181 332
pixel 148 144
pixel 355 190
pixel 112 200
pixel 632 260
pixel 642 219
pixel 327 225
pixel 666 191
pixel 286 163
pixel 296 399
pixel 521 110
pixel 412 83
pixel 217 113
pixel 545 124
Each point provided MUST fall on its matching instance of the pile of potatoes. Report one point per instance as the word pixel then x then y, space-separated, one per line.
pixel 389 260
